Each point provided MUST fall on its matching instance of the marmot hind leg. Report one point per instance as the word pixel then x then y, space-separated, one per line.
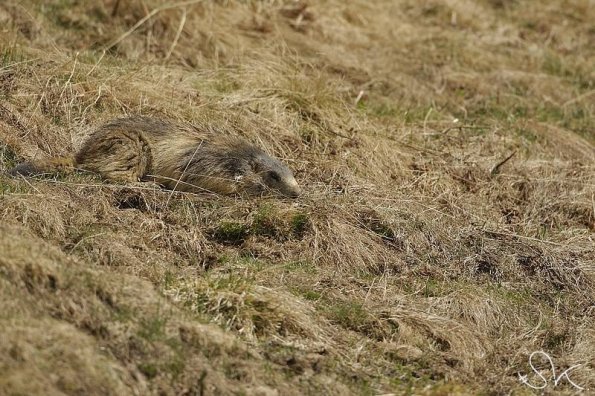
pixel 116 155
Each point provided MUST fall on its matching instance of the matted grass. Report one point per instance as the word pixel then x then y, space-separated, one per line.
pixel 417 261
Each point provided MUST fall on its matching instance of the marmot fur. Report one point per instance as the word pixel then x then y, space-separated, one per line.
pixel 181 157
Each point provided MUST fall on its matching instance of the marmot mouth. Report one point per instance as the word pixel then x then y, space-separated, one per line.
pixel 293 189
pixel 293 194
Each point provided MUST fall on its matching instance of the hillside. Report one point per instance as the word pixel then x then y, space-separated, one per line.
pixel 446 150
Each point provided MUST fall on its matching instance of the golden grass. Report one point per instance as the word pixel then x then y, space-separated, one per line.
pixel 409 265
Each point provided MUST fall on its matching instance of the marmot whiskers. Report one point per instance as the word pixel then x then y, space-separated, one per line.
pixel 181 157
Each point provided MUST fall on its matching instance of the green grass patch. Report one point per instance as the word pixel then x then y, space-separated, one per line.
pixel 311 295
pixel 174 366
pixel 8 186
pixel 232 282
pixel 169 279
pixel 300 223
pixel 349 314
pixel 526 134
pixel 301 266
pixel 122 314
pixel 231 232
pixel 432 288
pixel 8 157
pixel 251 262
pixel 10 55
pixel 265 221
pixel 150 370
pixel 152 329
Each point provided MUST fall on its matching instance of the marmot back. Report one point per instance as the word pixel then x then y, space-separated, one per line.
pixel 178 156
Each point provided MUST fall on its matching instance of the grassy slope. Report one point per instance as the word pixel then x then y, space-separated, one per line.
pixel 407 266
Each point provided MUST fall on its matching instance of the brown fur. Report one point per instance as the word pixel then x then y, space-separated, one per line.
pixel 178 156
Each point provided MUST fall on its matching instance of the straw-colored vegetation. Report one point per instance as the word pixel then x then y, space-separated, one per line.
pixel 417 261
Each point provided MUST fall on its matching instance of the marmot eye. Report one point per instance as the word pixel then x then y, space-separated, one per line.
pixel 275 176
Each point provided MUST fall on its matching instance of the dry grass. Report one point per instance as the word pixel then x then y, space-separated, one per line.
pixel 411 265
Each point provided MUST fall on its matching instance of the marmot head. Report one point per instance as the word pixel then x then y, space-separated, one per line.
pixel 216 162
pixel 274 175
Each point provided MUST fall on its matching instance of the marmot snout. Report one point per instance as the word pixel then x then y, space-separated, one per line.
pixel 181 157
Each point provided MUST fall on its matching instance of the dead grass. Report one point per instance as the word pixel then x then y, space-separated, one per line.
pixel 407 267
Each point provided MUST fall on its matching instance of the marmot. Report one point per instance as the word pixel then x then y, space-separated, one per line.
pixel 178 156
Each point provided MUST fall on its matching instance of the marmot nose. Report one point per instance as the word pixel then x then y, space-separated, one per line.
pixel 295 192
pixel 292 188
